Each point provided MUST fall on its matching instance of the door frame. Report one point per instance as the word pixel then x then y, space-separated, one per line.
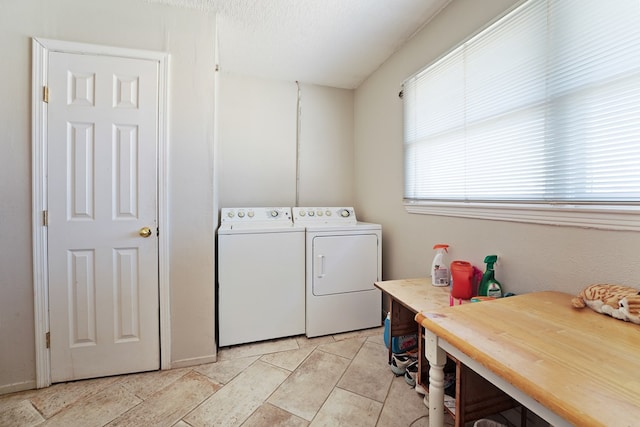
pixel 41 47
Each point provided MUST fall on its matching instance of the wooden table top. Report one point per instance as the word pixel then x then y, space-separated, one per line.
pixel 582 365
pixel 417 294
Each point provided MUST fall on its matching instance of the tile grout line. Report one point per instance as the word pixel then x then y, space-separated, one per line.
pixel 338 381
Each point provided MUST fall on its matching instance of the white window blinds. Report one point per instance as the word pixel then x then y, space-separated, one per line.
pixel 542 106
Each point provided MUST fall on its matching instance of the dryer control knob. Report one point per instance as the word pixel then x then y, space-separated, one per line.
pixel 302 213
pixel 319 213
pixel 345 213
pixel 240 214
pixel 250 214
pixel 311 213
pixel 328 212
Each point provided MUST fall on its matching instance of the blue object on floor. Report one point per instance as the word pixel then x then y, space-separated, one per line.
pixel 399 344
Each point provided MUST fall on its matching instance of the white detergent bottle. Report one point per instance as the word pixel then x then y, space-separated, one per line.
pixel 439 266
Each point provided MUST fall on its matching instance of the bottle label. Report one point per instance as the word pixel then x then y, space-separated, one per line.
pixel 494 291
pixel 440 276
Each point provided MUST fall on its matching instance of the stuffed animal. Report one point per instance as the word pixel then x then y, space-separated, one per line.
pixel 621 302
pixel 630 308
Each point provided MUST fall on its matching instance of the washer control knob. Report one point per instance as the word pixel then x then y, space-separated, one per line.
pixel 230 214
pixel 240 214
pixel 328 212
pixel 319 213
pixel 250 214
pixel 312 213
pixel 274 213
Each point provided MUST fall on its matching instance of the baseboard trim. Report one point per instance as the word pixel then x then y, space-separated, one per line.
pixel 185 363
pixel 22 386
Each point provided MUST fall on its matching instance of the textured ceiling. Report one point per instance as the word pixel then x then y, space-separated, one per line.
pixel 334 43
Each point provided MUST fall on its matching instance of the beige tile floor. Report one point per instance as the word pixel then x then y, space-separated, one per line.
pixel 339 380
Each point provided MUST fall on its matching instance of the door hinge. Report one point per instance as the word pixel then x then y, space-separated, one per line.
pixel 45 218
pixel 45 94
pixel 47 339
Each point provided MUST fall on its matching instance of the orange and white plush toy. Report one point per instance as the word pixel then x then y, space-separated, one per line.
pixel 621 302
pixel 630 308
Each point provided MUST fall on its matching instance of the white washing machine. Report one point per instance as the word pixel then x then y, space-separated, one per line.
pixel 261 275
pixel 343 259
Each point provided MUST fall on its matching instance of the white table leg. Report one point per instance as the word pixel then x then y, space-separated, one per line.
pixel 437 358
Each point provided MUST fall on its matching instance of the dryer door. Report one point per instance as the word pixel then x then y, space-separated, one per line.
pixel 345 263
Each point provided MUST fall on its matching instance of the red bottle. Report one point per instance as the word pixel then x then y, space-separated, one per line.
pixel 463 279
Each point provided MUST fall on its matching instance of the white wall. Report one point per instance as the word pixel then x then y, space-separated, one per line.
pixel 326 146
pixel 532 257
pixel 257 138
pixel 260 150
pixel 189 37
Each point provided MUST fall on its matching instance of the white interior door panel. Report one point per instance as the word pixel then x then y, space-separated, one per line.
pixel 102 192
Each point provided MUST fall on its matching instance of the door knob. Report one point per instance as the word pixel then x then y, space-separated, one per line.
pixel 145 232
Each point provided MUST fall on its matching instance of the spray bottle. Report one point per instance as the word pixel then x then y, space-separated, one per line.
pixel 439 266
pixel 489 286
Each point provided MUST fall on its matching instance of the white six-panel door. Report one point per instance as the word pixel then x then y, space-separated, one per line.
pixel 102 130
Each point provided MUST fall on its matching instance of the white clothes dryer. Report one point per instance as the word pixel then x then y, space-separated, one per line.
pixel 343 260
pixel 261 275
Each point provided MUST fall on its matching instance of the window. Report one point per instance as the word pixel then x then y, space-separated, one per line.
pixel 536 118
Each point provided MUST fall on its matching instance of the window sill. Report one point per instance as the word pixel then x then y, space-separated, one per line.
pixel 626 218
